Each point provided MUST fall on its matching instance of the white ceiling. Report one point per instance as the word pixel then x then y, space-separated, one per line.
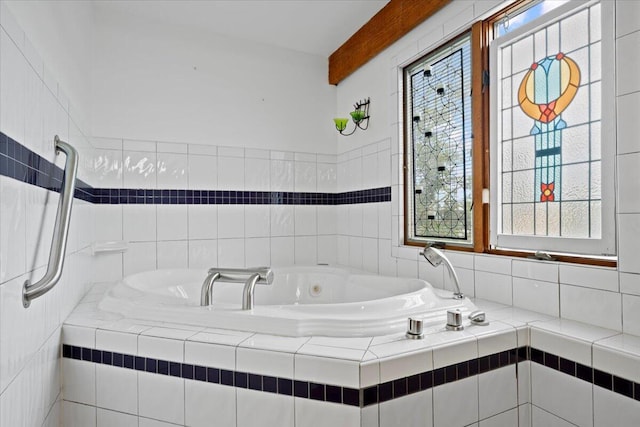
pixel 316 27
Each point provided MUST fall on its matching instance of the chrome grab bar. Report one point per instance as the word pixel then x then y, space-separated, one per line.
pixel 249 276
pixel 239 275
pixel 30 290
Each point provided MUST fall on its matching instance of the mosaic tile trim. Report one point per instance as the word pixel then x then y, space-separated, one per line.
pixel 591 375
pixel 22 164
pixel 302 389
pixel 372 395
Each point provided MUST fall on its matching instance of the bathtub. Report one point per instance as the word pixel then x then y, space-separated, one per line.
pixel 301 301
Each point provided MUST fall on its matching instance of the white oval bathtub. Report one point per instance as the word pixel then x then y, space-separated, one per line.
pixel 301 301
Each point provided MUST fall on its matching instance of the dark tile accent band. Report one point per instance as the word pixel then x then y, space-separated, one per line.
pixel 357 397
pixel 22 164
pixel 591 375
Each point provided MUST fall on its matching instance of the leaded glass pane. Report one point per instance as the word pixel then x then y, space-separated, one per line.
pixel 552 111
pixel 439 126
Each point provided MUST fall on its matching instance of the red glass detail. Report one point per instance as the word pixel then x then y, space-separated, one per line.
pixel 546 192
pixel 534 65
pixel 559 56
pixel 547 112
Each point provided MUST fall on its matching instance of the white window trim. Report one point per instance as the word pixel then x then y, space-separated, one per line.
pixel 606 245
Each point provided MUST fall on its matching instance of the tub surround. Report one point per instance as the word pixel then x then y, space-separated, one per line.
pixel 500 372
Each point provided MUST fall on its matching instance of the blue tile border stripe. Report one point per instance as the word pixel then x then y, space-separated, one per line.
pixel 363 397
pixel 22 164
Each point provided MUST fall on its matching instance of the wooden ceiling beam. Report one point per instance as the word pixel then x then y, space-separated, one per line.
pixel 387 26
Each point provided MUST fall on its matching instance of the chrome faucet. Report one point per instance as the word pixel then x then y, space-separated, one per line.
pixel 249 276
pixel 435 258
pixel 206 293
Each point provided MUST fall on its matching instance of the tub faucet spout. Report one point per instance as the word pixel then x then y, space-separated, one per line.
pixel 247 292
pixel 435 258
pixel 206 293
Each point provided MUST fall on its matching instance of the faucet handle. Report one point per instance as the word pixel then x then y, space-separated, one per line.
pixel 454 320
pixel 478 317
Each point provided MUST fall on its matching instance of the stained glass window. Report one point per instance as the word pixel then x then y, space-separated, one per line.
pixel 438 125
pixel 546 134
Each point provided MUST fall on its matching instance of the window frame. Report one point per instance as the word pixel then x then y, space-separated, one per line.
pixel 481 37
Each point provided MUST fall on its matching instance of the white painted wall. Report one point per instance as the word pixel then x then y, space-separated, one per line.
pixel 156 82
pixel 61 33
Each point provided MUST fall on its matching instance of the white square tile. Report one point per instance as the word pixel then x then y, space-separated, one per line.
pixel 370 255
pixel 628 183
pixel 610 408
pixel 505 419
pixel 277 364
pixel 173 254
pixel 140 257
pixel 305 221
pixel 77 415
pixel 327 370
pixel 119 342
pixel 257 220
pixel 327 220
pixel 139 223
pixel 630 283
pixel 203 253
pixel 592 306
pixel 494 287
pixel 563 395
pixel 160 348
pixel 464 348
pixel 494 337
pixel 205 402
pixel 79 336
pixel 628 244
pixel 257 174
pixel 628 125
pixel 231 253
pixel 282 175
pixel 493 264
pixel 627 80
pixel 591 277
pixel 445 394
pixel 537 270
pixel 13 225
pixel 412 410
pixel 497 391
pixel 108 223
pixel 231 221
pixel 631 314
pixel 282 220
pixel 161 397
pixel 139 169
pixel 107 418
pixel 524 382
pixel 231 173
pixel 305 176
pixel 172 222
pixel 540 417
pixel 117 389
pixel 257 251
pixel 79 381
pixel 618 355
pixel 627 17
pixel 282 251
pixel 312 413
pixel 172 171
pixel 264 409
pixel 569 348
pixel 327 250
pixel 203 172
pixel 370 220
pixel 327 177
pixel 202 221
pixel 306 250
pixel 536 295
pixel 405 365
pixel 207 354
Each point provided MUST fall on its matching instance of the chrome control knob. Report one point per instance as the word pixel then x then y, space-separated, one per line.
pixel 454 320
pixel 414 329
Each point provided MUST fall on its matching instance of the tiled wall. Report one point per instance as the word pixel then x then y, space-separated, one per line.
pixel 605 297
pixel 33 108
